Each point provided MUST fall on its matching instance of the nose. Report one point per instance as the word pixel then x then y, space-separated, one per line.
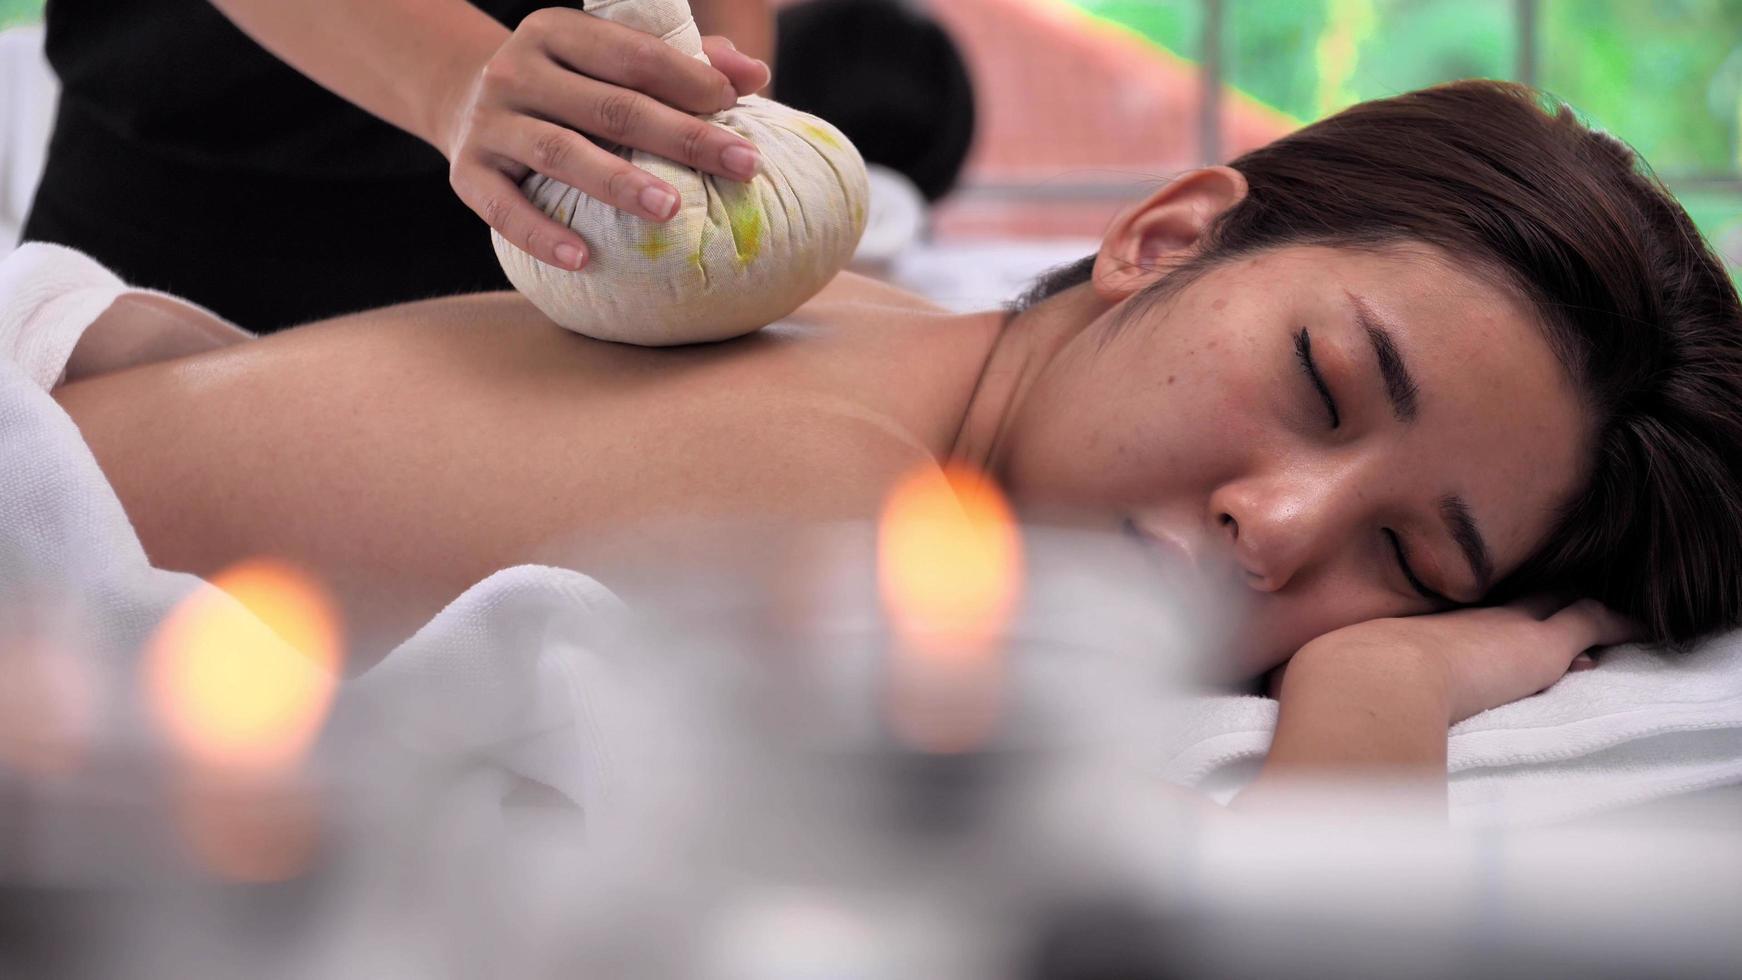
pixel 1281 525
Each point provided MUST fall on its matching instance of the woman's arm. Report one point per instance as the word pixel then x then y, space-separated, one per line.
pixel 1347 711
pixel 1375 699
pixel 403 60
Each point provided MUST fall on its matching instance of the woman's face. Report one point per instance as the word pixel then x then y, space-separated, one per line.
pixel 1331 435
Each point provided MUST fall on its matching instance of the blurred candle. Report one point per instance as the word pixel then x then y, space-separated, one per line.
pixel 949 571
pixel 48 698
pixel 240 678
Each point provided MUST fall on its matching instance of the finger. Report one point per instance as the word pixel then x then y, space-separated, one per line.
pixel 1617 628
pixel 747 75
pixel 1588 623
pixel 1538 607
pixel 632 119
pixel 565 155
pixel 623 56
pixel 1583 661
pixel 503 207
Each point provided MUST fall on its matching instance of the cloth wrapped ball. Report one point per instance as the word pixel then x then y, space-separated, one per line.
pixel 736 256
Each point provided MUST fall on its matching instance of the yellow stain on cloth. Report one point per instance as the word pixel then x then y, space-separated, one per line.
pixel 655 245
pixel 746 220
pixel 821 135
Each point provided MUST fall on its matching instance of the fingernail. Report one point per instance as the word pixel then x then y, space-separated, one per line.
pixel 659 202
pixel 568 256
pixel 741 160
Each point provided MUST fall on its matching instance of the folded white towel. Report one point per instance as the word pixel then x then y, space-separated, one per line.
pixel 50 295
pixel 1643 725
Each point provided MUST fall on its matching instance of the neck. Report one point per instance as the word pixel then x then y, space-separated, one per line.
pixel 1017 352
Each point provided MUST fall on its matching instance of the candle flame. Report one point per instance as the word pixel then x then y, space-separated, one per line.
pixel 241 676
pixel 950 565
pixel 950 557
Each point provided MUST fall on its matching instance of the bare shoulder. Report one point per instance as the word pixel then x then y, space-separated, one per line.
pixel 849 288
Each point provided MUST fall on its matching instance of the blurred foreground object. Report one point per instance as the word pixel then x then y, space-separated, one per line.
pixel 765 811
pixel 240 678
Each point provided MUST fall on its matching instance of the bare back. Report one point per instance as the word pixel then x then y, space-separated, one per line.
pixel 403 454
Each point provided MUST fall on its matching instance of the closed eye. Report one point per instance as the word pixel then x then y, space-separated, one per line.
pixel 1402 554
pixel 1303 349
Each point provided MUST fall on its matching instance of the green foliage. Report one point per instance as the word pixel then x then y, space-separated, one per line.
pixel 1665 76
pixel 1173 24
pixel 19 12
pixel 1719 215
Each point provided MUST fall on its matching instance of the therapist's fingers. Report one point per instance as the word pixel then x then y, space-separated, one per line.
pixel 1581 623
pixel 1588 623
pixel 627 118
pixel 1538 607
pixel 747 74
pixel 498 200
pixel 565 79
pixel 629 58
pixel 565 155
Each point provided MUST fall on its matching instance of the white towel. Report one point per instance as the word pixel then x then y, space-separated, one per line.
pixel 510 672
pixel 63 535
pixel 50 295
pixel 1641 726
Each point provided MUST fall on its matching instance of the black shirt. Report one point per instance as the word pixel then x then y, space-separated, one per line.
pixel 190 159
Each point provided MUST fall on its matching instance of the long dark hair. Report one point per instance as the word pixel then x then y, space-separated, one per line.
pixel 1633 300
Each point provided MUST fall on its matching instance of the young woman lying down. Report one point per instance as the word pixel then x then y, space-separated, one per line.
pixel 1441 387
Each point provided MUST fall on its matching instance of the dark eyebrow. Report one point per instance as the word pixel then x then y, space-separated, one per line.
pixel 1400 385
pixel 1401 389
pixel 1456 513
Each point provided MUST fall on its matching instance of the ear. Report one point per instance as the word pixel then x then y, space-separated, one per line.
pixel 1157 233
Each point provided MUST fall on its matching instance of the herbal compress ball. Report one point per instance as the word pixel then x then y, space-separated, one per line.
pixel 735 257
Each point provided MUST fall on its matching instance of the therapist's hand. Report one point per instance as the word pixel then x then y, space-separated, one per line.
pixel 565 76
